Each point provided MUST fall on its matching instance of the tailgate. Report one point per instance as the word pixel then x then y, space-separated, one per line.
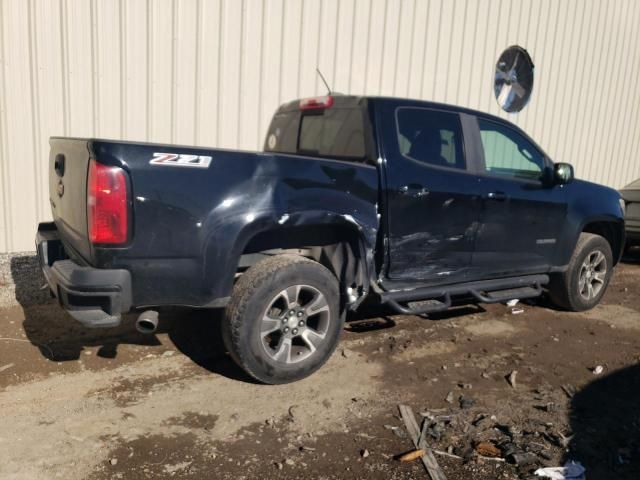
pixel 68 166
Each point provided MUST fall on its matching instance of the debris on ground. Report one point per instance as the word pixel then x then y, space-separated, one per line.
pixel 570 471
pixel 293 412
pixel 522 459
pixel 417 437
pixel 466 402
pixel 517 311
pixel 569 390
pixel 488 449
pixel 598 369
pixel 470 435
pixel 411 456
pixel 512 303
pixel 511 378
pixel 6 367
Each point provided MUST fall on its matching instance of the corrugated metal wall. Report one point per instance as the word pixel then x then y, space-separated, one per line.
pixel 211 72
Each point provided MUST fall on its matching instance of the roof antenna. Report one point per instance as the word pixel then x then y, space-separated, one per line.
pixel 324 81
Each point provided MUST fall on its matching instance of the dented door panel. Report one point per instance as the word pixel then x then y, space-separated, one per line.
pixel 432 211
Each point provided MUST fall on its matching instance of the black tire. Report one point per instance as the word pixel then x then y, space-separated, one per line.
pixel 262 297
pixel 570 289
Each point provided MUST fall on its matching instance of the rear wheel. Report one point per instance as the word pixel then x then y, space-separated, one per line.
pixel 584 283
pixel 283 321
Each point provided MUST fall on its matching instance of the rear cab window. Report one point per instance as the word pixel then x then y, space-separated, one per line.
pixel 339 131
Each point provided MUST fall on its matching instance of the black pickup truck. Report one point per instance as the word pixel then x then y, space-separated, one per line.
pixel 408 204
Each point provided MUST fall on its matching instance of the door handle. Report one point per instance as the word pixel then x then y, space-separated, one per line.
pixel 497 196
pixel 413 190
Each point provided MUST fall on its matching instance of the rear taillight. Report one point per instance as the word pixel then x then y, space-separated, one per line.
pixel 107 204
pixel 314 103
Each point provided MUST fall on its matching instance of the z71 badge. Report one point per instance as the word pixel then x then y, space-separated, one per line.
pixel 180 160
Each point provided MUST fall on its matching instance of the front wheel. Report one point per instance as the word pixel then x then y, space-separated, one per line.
pixel 283 321
pixel 586 279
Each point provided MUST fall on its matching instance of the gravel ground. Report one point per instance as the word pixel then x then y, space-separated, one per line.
pixel 21 281
pixel 114 403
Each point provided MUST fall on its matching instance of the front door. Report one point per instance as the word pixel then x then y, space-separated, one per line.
pixel 432 197
pixel 522 212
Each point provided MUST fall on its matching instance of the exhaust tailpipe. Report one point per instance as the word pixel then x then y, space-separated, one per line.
pixel 147 322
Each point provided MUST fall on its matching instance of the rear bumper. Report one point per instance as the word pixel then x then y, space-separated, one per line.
pixel 93 296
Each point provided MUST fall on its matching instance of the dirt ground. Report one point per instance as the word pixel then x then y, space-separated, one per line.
pixel 92 404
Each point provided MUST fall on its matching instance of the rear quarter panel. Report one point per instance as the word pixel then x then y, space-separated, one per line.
pixel 192 224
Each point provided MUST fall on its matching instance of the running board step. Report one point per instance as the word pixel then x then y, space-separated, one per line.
pixel 509 294
pixel 419 307
pixel 435 299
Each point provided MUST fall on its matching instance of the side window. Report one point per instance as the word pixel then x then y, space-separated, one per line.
pixel 430 136
pixel 509 154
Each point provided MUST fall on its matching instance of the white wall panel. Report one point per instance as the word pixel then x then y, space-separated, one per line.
pixel 162 44
pixel 134 62
pixel 211 72
pixel 5 194
pixel 109 96
pixel 250 89
pixel 20 162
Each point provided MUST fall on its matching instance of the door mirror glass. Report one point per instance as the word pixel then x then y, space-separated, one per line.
pixel 562 173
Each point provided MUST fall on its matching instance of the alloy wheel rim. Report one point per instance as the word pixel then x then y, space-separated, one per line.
pixel 295 324
pixel 593 273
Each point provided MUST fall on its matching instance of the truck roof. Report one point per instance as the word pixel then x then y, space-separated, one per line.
pixel 346 101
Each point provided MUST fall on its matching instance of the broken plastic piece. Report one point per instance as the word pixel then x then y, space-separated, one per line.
pixel 411 456
pixel 571 471
pixel 487 449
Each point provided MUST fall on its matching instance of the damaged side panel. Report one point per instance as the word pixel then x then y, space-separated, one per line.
pixel 192 226
pixel 293 203
pixel 432 195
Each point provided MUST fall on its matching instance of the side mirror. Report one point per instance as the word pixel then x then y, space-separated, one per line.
pixel 562 173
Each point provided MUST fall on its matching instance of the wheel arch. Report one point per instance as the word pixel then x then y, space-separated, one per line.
pixel 610 230
pixel 341 246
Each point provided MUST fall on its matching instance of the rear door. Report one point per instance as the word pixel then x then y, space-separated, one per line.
pixel 68 167
pixel 432 194
pixel 523 213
